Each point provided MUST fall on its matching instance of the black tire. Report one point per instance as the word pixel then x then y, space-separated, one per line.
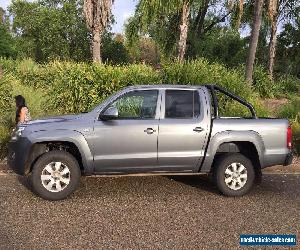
pixel 222 163
pixel 55 156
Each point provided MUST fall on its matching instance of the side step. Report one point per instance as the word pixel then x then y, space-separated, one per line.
pixel 145 174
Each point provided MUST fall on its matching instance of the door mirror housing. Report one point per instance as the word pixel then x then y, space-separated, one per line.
pixel 109 114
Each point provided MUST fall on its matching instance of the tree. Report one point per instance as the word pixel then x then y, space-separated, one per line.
pixel 279 11
pixel 166 21
pixel 2 14
pixel 113 49
pixel 177 26
pixel 50 29
pixel 254 39
pixel 240 13
pixel 223 45
pixel 145 50
pixel 273 15
pixel 97 15
pixel 183 30
pixel 288 59
pixel 7 43
pixel 200 18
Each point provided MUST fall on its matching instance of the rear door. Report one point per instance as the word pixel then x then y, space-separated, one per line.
pixel 183 129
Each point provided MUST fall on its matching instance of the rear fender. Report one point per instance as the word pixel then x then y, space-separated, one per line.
pixel 232 136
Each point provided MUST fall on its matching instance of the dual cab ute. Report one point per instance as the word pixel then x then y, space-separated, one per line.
pixel 154 129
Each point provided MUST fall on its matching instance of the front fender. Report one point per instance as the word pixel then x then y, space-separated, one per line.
pixel 232 136
pixel 62 135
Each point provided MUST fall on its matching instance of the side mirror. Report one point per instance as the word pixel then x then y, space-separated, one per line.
pixel 109 114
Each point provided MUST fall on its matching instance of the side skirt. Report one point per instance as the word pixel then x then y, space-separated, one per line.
pixel 146 174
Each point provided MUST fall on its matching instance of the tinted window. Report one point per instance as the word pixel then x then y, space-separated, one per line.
pixel 182 104
pixel 137 105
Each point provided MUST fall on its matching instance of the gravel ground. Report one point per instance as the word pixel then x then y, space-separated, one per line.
pixel 183 212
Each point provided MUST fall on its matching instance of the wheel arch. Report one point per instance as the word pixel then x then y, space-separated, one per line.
pixel 248 143
pixel 70 141
pixel 40 148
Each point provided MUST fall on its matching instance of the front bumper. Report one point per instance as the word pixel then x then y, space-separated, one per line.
pixel 18 152
pixel 288 159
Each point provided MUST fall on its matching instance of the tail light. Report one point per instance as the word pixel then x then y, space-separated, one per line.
pixel 289 138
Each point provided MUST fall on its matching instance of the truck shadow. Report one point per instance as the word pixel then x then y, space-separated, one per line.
pixel 153 186
pixel 202 182
pixel 24 181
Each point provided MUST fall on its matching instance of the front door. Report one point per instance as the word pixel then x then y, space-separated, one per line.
pixel 183 130
pixel 128 143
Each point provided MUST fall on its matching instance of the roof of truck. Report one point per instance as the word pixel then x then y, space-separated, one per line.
pixel 167 86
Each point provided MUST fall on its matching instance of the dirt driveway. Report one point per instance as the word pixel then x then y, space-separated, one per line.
pixel 146 213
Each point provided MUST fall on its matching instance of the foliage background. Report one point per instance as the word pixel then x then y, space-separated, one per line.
pixel 69 87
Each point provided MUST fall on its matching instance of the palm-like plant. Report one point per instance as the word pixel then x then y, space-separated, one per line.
pixel 97 15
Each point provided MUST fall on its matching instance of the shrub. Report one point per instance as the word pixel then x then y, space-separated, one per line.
pixel 6 101
pixel 76 87
pixel 4 139
pixel 291 110
pixel 287 85
pixel 8 65
pixel 296 137
pixel 68 87
pixel 79 87
pixel 284 86
pixel 262 83
pixel 200 71
pixel 6 98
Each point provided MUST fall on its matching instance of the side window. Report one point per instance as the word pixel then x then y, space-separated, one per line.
pixel 182 104
pixel 137 104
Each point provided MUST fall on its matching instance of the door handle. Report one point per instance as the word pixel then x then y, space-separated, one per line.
pixel 198 129
pixel 149 131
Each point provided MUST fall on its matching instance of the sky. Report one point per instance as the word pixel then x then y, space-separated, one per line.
pixel 122 9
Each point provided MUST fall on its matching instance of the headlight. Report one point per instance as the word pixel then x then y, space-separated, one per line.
pixel 17 132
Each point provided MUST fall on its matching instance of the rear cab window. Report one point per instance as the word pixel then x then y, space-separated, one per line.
pixel 182 104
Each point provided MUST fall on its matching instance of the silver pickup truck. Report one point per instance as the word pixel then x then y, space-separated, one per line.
pixel 153 129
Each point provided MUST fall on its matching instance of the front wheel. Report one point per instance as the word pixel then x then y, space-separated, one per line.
pixel 55 175
pixel 234 174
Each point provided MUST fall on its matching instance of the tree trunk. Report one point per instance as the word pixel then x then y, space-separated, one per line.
pixel 97 15
pixel 183 31
pixel 254 40
pixel 96 46
pixel 273 15
pixel 272 50
pixel 201 17
pixel 240 14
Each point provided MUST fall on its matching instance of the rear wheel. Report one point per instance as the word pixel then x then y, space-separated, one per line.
pixel 55 175
pixel 234 174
